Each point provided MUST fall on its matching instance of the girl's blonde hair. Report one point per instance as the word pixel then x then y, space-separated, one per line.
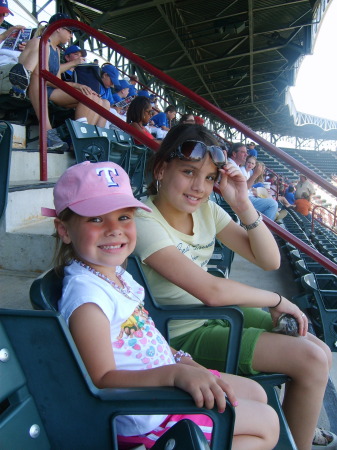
pixel 64 253
pixel 260 178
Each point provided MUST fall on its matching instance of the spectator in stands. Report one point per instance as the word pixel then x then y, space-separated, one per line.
pixel 109 79
pixel 8 57
pixel 304 185
pixel 303 205
pixel 237 157
pixel 133 79
pixel 175 243
pixel 138 115
pixel 186 118
pixel 95 61
pixel 252 150
pixel 164 119
pixel 249 166
pixel 73 56
pixel 144 92
pixel 62 36
pixel 290 194
pixel 121 91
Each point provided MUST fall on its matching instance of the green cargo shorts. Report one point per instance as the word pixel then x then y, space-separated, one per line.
pixel 208 343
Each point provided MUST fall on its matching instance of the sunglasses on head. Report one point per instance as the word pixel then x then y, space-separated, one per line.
pixel 195 151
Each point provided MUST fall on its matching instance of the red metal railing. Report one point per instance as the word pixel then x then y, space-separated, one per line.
pixel 334 214
pixel 45 76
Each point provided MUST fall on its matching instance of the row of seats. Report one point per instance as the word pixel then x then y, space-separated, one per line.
pixel 317 285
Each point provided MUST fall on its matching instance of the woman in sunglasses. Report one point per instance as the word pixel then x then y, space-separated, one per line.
pixel 175 243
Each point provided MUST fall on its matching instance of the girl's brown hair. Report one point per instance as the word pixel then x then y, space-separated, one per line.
pixel 175 137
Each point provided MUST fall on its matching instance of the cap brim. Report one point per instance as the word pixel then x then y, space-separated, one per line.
pixel 105 204
pixel 4 10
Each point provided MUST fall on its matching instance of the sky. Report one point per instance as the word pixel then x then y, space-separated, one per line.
pixel 316 88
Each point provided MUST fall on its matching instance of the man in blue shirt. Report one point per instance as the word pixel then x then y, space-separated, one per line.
pixel 163 119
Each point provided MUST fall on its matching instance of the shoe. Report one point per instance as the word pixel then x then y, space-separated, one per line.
pixel 19 76
pixel 54 142
pixel 18 93
pixel 324 439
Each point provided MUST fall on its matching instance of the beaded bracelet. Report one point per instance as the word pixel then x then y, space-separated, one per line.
pixel 179 354
pixel 278 301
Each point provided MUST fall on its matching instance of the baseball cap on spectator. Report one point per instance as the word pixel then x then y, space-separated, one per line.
pixel 132 91
pixel 93 189
pixel 61 16
pixel 122 84
pixel 113 73
pixel 4 7
pixel 74 49
pixel 144 93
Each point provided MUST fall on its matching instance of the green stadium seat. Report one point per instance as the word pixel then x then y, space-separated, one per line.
pixel 88 145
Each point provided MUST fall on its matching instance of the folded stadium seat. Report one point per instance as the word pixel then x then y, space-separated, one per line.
pixel 88 146
pixel 119 152
pixel 138 160
pixel 6 137
pixel 319 300
pixel 47 398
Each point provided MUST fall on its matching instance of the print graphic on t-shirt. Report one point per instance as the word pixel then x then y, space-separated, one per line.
pixel 139 338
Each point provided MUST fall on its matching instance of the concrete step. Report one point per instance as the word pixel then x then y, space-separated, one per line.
pixel 26 242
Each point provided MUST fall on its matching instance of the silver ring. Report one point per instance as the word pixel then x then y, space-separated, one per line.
pixel 303 315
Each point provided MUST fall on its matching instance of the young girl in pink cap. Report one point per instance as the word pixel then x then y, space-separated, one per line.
pixel 103 306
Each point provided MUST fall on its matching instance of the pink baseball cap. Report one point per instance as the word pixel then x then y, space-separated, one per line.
pixel 93 189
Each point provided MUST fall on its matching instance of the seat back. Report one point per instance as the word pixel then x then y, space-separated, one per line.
pixel 6 137
pixel 119 152
pixel 88 145
pixel 20 423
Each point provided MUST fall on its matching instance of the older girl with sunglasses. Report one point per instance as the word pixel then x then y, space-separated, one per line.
pixel 175 243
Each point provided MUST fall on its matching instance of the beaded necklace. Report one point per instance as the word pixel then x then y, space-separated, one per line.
pixel 125 290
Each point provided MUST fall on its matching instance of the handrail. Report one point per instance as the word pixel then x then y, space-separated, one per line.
pixel 45 76
pixel 193 96
pixel 324 225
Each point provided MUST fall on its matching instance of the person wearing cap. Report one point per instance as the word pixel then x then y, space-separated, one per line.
pixel 163 120
pixel 104 308
pixel 304 186
pixel 8 57
pixel 73 56
pixel 109 80
pixel 252 150
pixel 62 36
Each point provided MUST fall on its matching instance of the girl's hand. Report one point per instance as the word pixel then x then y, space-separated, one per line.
pixel 233 185
pixel 205 388
pixel 288 307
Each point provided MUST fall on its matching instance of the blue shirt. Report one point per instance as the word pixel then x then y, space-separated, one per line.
pixel 290 196
pixel 160 120
pixel 106 94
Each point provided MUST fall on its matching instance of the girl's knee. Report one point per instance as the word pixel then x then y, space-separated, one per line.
pixel 314 363
pixel 257 392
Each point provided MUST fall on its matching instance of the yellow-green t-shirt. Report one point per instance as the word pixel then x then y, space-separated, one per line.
pixel 154 233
